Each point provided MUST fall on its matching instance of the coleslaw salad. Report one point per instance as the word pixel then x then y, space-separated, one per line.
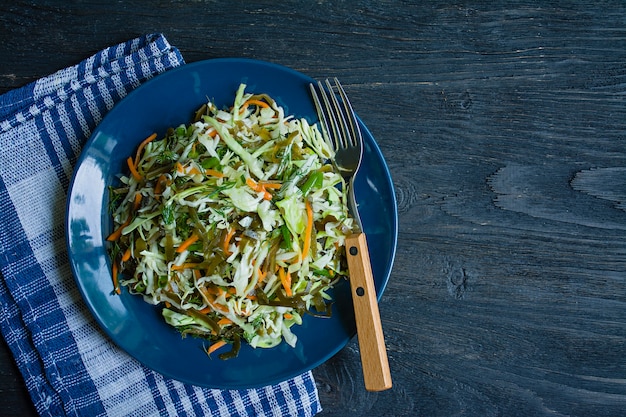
pixel 234 223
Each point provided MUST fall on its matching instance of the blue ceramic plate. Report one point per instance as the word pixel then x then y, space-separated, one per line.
pixel 137 327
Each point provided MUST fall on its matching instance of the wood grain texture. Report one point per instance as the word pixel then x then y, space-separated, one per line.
pixel 14 398
pixel 374 360
pixel 504 127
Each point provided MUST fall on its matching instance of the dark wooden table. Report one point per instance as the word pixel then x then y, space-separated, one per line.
pixel 504 127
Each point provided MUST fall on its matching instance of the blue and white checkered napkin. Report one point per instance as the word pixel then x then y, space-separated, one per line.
pixel 69 366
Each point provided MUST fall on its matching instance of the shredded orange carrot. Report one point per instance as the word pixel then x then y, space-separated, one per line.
pixel 180 168
pixel 126 255
pixel 220 307
pixel 308 230
pixel 252 184
pixel 218 291
pixel 287 316
pixel 186 265
pixel 288 279
pixel 143 145
pixel 114 273
pixel 214 173
pixel 227 239
pixel 259 103
pixel 194 171
pixel 285 279
pixel 224 321
pixel 212 132
pixel 118 232
pixel 261 274
pixel 261 187
pixel 190 241
pixel 160 185
pixel 206 310
pixel 273 185
pixel 210 296
pixel 254 102
pixel 133 169
pixel 215 346
pixel 137 201
pixel 168 304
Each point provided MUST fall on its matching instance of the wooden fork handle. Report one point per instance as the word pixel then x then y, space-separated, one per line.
pixel 376 372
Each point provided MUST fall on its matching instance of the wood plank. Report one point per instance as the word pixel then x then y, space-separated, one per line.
pixel 504 129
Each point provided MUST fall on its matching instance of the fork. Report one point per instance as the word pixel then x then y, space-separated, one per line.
pixel 342 131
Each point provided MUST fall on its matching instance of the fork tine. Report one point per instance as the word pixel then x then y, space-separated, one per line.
pixel 325 114
pixel 342 126
pixel 336 115
pixel 332 114
pixel 355 131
